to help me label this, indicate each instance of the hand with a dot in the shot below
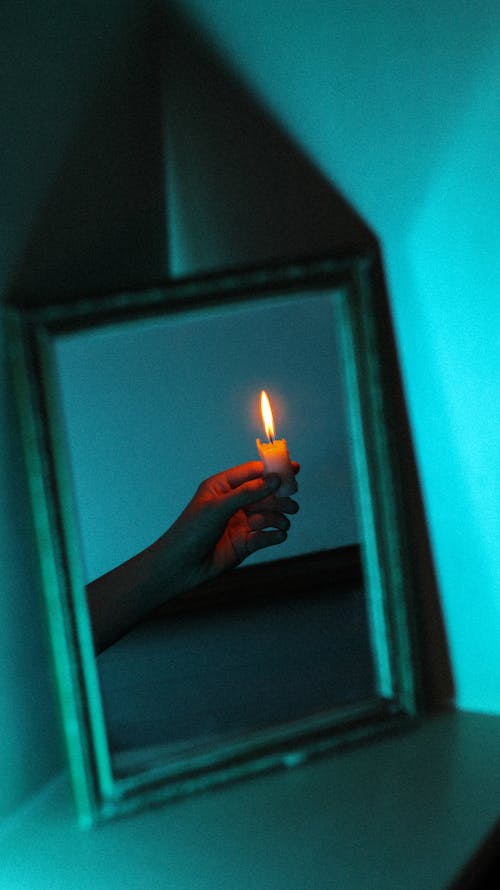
(231, 516)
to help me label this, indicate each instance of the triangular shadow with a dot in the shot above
(168, 115)
(240, 191)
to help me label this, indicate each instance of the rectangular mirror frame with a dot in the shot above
(390, 589)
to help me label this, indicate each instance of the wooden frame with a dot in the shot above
(369, 368)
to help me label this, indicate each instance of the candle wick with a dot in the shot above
(271, 439)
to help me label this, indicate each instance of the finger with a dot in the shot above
(252, 469)
(286, 505)
(259, 539)
(259, 521)
(248, 493)
(237, 476)
(273, 504)
(290, 484)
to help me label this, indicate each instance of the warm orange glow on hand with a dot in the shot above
(267, 415)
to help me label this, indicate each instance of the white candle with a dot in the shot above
(274, 454)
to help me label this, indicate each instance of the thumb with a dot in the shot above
(249, 493)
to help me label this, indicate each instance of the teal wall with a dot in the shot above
(394, 104)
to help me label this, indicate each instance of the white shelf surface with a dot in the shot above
(406, 811)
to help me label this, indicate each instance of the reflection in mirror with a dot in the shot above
(179, 669)
(150, 410)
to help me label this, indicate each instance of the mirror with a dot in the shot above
(128, 402)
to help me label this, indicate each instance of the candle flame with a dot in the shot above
(267, 415)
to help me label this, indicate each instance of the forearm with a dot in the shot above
(121, 598)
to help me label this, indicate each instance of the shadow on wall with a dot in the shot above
(168, 117)
(102, 227)
(239, 190)
(178, 170)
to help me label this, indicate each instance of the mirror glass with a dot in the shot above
(150, 409)
(127, 403)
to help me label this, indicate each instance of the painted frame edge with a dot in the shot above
(47, 527)
(373, 337)
(97, 794)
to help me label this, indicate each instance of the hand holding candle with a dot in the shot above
(232, 515)
(274, 454)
